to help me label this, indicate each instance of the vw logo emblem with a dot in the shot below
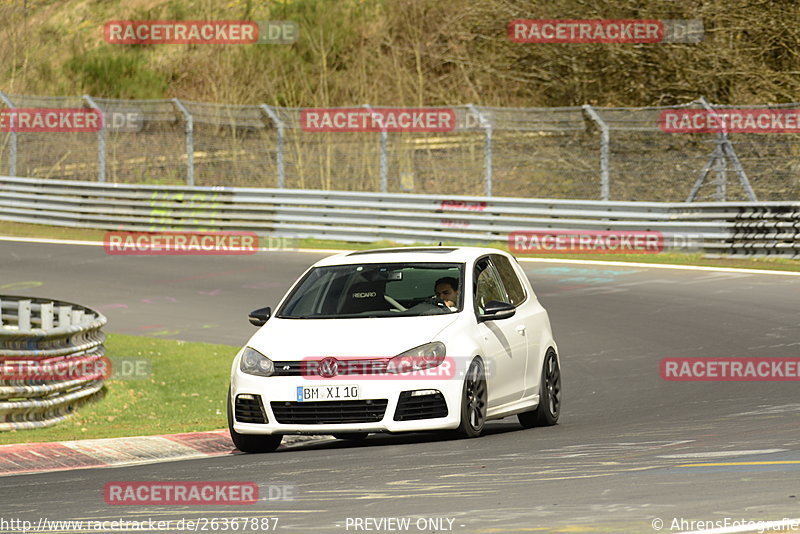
(328, 367)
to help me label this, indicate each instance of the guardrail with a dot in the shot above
(755, 228)
(51, 360)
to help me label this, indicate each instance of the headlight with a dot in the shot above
(255, 363)
(422, 357)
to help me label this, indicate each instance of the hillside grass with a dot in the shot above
(405, 52)
(409, 53)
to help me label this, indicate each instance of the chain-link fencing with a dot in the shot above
(575, 153)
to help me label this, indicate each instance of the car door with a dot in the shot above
(531, 316)
(503, 341)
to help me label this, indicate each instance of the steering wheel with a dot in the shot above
(396, 306)
(436, 301)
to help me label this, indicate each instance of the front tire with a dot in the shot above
(253, 443)
(473, 401)
(546, 414)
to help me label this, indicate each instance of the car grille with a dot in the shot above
(329, 412)
(346, 367)
(420, 407)
(287, 368)
(249, 410)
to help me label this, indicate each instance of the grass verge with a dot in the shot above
(708, 260)
(185, 392)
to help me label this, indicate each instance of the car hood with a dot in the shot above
(296, 339)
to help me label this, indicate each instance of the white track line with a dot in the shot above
(51, 241)
(46, 241)
(531, 260)
(662, 266)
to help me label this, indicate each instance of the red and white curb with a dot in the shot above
(30, 458)
(59, 456)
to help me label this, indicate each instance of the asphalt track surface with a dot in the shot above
(630, 449)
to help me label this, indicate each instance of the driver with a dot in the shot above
(447, 289)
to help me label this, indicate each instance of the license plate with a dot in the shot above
(326, 393)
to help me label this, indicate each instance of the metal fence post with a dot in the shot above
(487, 148)
(726, 151)
(279, 125)
(101, 140)
(605, 140)
(722, 178)
(12, 141)
(716, 154)
(24, 315)
(384, 156)
(189, 130)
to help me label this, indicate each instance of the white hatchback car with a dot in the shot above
(397, 340)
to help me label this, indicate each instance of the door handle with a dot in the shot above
(521, 329)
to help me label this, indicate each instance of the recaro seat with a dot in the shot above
(366, 297)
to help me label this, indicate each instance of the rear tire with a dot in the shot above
(474, 397)
(546, 414)
(352, 436)
(252, 443)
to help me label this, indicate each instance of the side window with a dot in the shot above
(514, 288)
(487, 285)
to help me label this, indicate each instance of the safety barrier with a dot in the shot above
(51, 360)
(753, 228)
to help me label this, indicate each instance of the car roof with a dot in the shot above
(410, 254)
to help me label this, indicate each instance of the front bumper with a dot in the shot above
(284, 389)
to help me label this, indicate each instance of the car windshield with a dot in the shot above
(376, 290)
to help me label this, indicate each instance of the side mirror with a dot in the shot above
(260, 316)
(496, 310)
